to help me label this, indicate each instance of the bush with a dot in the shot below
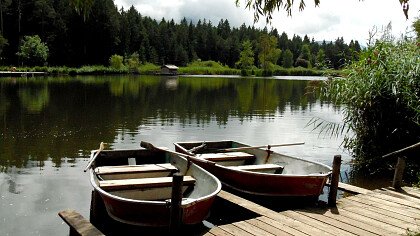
(133, 62)
(32, 51)
(116, 62)
(381, 95)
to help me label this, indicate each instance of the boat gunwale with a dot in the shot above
(151, 202)
(262, 173)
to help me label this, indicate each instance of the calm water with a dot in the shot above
(49, 125)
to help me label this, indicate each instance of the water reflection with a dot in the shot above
(54, 118)
(49, 125)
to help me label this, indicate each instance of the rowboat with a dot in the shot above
(136, 185)
(258, 171)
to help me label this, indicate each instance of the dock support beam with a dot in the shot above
(398, 174)
(176, 200)
(332, 196)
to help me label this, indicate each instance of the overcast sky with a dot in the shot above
(351, 19)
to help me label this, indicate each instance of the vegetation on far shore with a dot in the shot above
(194, 68)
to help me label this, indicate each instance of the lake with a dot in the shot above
(49, 125)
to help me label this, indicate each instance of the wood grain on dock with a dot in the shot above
(379, 212)
(382, 211)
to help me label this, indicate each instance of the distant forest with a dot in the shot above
(89, 32)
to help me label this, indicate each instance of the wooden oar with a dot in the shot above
(101, 147)
(255, 147)
(151, 147)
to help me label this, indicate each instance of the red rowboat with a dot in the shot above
(257, 171)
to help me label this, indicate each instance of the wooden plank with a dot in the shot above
(299, 225)
(261, 167)
(384, 212)
(270, 214)
(412, 191)
(219, 232)
(393, 207)
(344, 226)
(78, 224)
(246, 203)
(396, 200)
(395, 193)
(232, 229)
(281, 226)
(228, 156)
(127, 184)
(252, 229)
(357, 220)
(375, 215)
(368, 198)
(351, 188)
(316, 223)
(166, 167)
(262, 225)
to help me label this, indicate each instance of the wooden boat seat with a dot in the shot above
(261, 167)
(131, 169)
(227, 156)
(129, 184)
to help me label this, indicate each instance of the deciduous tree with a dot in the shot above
(32, 51)
(246, 58)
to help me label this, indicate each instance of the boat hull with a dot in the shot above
(156, 213)
(302, 183)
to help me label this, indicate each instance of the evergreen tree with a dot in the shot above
(287, 60)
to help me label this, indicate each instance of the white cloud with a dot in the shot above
(351, 19)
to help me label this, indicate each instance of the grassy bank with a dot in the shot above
(194, 68)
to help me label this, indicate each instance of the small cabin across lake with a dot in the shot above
(169, 70)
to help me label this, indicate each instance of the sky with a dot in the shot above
(350, 19)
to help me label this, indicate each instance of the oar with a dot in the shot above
(255, 147)
(101, 147)
(151, 147)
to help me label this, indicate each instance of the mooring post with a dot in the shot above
(176, 200)
(332, 196)
(398, 174)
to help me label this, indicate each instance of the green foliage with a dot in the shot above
(71, 30)
(300, 62)
(320, 59)
(287, 60)
(3, 44)
(246, 58)
(416, 26)
(133, 62)
(208, 68)
(82, 7)
(267, 8)
(268, 52)
(149, 68)
(116, 62)
(32, 51)
(381, 95)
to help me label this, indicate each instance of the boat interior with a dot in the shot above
(126, 176)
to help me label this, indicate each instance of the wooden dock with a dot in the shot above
(379, 212)
(21, 73)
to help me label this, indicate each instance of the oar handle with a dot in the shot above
(89, 164)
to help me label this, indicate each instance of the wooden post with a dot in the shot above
(176, 200)
(398, 174)
(332, 196)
